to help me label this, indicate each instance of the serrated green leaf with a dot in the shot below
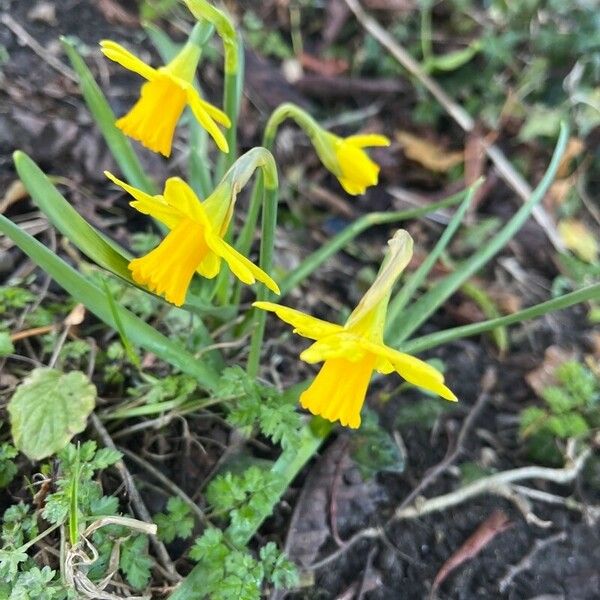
(135, 562)
(8, 469)
(373, 450)
(177, 521)
(48, 409)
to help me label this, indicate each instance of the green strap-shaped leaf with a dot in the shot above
(105, 118)
(68, 221)
(137, 330)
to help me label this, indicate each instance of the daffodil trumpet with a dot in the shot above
(197, 230)
(351, 352)
(344, 157)
(164, 96)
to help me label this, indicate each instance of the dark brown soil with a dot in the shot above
(42, 114)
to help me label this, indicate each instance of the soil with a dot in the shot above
(42, 113)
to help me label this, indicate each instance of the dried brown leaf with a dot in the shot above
(428, 153)
(542, 377)
(496, 523)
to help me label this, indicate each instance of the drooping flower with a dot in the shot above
(347, 160)
(351, 352)
(194, 243)
(168, 90)
(344, 157)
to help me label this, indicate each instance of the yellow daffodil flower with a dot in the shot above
(344, 157)
(163, 97)
(351, 352)
(347, 160)
(194, 243)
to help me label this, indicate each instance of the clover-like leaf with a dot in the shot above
(48, 409)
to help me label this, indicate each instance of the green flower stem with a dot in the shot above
(232, 98)
(433, 340)
(280, 114)
(421, 310)
(200, 177)
(267, 244)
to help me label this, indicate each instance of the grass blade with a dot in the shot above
(591, 292)
(102, 113)
(419, 312)
(137, 330)
(416, 279)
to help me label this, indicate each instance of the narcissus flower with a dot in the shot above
(347, 160)
(163, 97)
(351, 352)
(194, 243)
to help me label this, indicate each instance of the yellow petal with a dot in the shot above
(412, 369)
(202, 114)
(304, 325)
(210, 265)
(339, 389)
(368, 318)
(351, 187)
(126, 59)
(155, 206)
(240, 266)
(153, 118)
(182, 198)
(357, 170)
(168, 269)
(367, 139)
(338, 345)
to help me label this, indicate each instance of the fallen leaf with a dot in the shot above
(578, 238)
(329, 67)
(114, 13)
(76, 316)
(558, 193)
(496, 523)
(543, 377)
(16, 191)
(428, 153)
